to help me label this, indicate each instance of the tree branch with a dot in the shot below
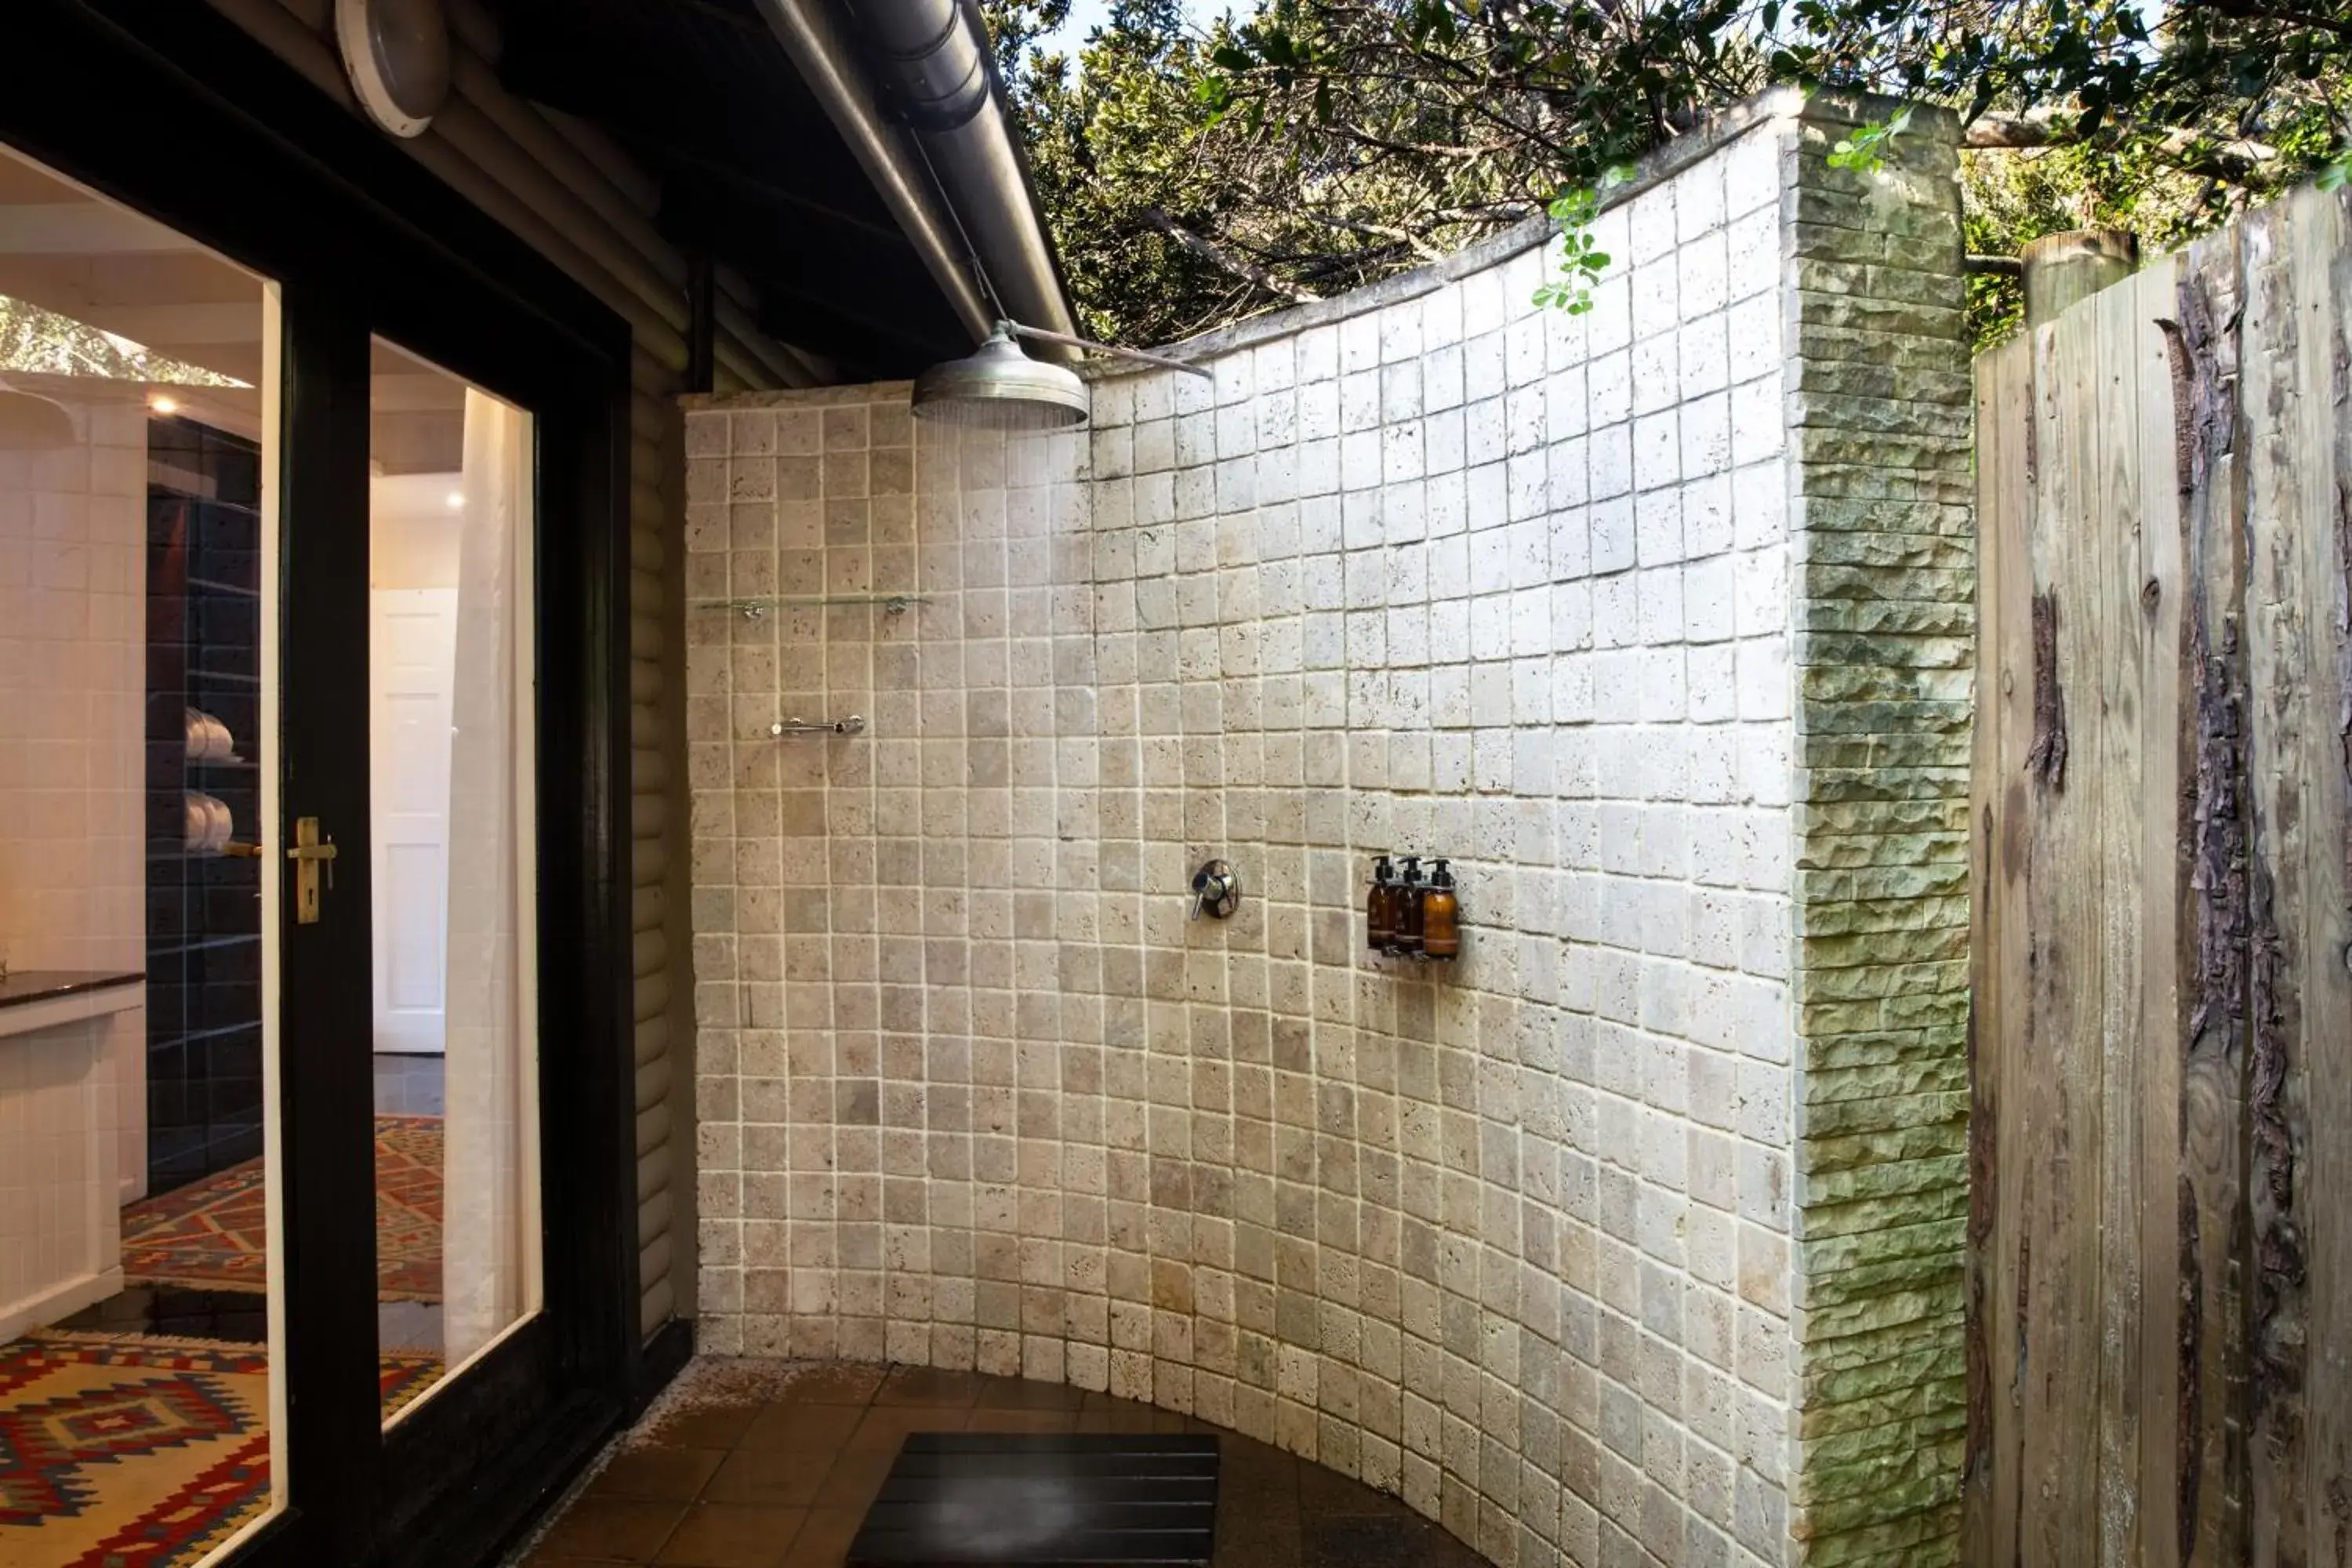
(2001, 132)
(1248, 270)
(2244, 11)
(2239, 160)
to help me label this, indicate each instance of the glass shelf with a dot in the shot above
(754, 608)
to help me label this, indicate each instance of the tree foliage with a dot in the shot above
(1194, 174)
(41, 341)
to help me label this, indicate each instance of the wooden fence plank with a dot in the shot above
(2160, 1268)
(2299, 665)
(2004, 732)
(2278, 399)
(2162, 863)
(2064, 915)
(2111, 741)
(2209, 1321)
(2326, 956)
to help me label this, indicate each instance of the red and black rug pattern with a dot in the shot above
(135, 1452)
(215, 1233)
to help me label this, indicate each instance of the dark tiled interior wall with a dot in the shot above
(204, 911)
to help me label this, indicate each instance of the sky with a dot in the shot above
(1085, 15)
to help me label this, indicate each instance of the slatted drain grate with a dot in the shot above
(1102, 1499)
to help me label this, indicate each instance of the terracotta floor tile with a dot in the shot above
(1271, 1551)
(669, 1475)
(717, 1428)
(987, 1420)
(818, 1427)
(825, 1540)
(1322, 1491)
(835, 1384)
(787, 1485)
(778, 1478)
(1129, 1418)
(927, 1385)
(621, 1529)
(729, 1535)
(1368, 1541)
(1257, 1464)
(886, 1426)
(856, 1477)
(1019, 1394)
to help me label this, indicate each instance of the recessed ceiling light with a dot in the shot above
(456, 500)
(163, 404)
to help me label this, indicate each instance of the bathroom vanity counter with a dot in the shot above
(61, 1032)
(34, 999)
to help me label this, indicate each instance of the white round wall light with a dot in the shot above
(396, 53)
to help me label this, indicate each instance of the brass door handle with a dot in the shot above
(309, 852)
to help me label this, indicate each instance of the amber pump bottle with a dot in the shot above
(1380, 907)
(1407, 938)
(1440, 930)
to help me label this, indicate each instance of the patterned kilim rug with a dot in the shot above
(120, 1451)
(212, 1235)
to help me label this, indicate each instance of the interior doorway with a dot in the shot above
(413, 632)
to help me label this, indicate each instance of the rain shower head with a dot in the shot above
(998, 387)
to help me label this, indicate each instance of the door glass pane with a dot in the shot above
(140, 1419)
(451, 798)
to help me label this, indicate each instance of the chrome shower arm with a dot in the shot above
(1163, 361)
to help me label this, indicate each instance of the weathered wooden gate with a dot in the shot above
(2160, 1266)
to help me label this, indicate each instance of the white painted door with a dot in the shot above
(412, 671)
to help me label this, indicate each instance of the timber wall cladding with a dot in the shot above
(2160, 1263)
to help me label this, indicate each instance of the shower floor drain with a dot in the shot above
(1099, 1498)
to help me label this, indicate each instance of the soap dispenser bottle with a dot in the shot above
(1380, 907)
(1441, 930)
(1407, 938)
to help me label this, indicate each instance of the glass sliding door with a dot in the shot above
(142, 1409)
(314, 818)
(452, 791)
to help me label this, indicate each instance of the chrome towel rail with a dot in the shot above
(853, 725)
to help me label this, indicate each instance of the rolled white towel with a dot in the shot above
(208, 738)
(198, 821)
(223, 824)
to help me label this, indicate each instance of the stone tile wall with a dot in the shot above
(1880, 418)
(1426, 570)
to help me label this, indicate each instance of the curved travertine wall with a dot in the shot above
(1428, 570)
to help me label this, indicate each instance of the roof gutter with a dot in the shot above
(933, 69)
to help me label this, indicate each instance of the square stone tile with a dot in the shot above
(732, 1536)
(617, 1529)
(669, 1475)
(777, 1477)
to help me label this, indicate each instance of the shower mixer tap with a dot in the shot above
(1216, 891)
